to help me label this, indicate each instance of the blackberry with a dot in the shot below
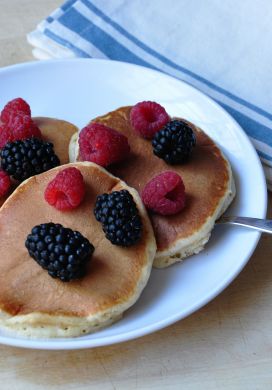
(61, 251)
(24, 158)
(174, 142)
(119, 216)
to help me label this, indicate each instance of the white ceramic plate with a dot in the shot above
(77, 90)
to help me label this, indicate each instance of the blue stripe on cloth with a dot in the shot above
(65, 6)
(170, 63)
(76, 22)
(114, 50)
(49, 19)
(264, 155)
(253, 128)
(66, 43)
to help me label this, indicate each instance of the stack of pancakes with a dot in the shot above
(34, 304)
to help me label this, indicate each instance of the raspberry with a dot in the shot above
(102, 145)
(164, 194)
(5, 136)
(23, 127)
(5, 183)
(147, 118)
(24, 133)
(19, 127)
(66, 191)
(15, 106)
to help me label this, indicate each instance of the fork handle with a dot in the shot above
(262, 225)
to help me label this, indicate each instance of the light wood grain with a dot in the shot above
(225, 345)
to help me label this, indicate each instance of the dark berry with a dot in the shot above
(52, 256)
(175, 142)
(102, 145)
(119, 216)
(22, 159)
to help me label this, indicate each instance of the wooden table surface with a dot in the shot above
(225, 345)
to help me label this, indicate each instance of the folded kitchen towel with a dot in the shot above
(221, 48)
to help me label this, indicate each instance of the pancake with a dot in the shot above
(208, 182)
(58, 132)
(34, 304)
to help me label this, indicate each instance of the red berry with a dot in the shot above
(5, 136)
(15, 106)
(147, 118)
(102, 145)
(23, 127)
(165, 194)
(19, 127)
(66, 191)
(18, 119)
(5, 183)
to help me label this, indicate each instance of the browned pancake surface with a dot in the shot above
(205, 176)
(25, 287)
(58, 132)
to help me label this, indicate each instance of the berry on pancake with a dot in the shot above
(5, 183)
(17, 105)
(22, 159)
(102, 145)
(5, 135)
(147, 118)
(175, 142)
(119, 216)
(17, 123)
(164, 194)
(61, 251)
(66, 191)
(23, 127)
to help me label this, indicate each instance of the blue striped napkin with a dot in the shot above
(221, 48)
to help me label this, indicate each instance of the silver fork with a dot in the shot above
(262, 225)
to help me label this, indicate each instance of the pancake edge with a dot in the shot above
(73, 148)
(195, 243)
(44, 325)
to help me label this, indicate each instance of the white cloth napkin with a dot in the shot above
(221, 47)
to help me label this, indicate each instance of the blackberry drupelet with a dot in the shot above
(63, 252)
(174, 142)
(23, 159)
(119, 216)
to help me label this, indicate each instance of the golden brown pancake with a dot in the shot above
(208, 182)
(58, 132)
(34, 303)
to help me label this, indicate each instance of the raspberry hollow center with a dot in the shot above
(165, 194)
(61, 196)
(150, 116)
(174, 193)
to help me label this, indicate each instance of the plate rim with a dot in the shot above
(77, 342)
